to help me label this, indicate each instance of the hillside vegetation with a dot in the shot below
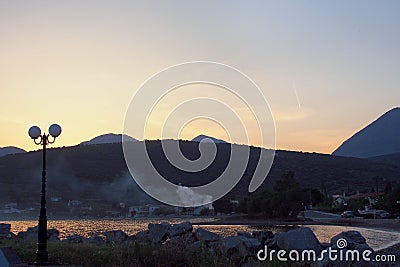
(99, 172)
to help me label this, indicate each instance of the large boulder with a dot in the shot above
(53, 234)
(298, 239)
(352, 239)
(5, 230)
(205, 236)
(362, 247)
(158, 233)
(238, 248)
(263, 236)
(344, 242)
(244, 233)
(75, 238)
(232, 247)
(142, 236)
(115, 236)
(95, 239)
(180, 229)
(31, 234)
(176, 240)
(252, 245)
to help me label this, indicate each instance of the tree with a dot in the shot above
(260, 202)
(388, 187)
(314, 196)
(242, 207)
(286, 182)
(391, 201)
(288, 198)
(223, 205)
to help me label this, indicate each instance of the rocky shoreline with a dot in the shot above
(242, 248)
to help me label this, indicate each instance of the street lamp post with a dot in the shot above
(42, 256)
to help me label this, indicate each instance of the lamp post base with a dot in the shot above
(42, 258)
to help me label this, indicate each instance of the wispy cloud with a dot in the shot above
(292, 113)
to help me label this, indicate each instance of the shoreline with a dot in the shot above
(387, 225)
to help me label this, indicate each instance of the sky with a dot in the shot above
(326, 68)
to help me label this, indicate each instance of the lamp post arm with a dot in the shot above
(48, 140)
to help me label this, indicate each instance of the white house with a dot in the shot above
(338, 199)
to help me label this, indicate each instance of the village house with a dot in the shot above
(143, 210)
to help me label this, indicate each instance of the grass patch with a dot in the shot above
(125, 254)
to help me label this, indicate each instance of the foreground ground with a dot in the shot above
(137, 254)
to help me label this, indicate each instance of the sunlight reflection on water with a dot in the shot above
(375, 238)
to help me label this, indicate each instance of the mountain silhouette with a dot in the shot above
(9, 150)
(108, 139)
(381, 137)
(206, 138)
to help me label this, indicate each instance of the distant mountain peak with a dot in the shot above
(206, 138)
(9, 150)
(381, 137)
(109, 138)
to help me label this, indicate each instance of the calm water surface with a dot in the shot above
(375, 238)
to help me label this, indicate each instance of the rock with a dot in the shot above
(75, 238)
(251, 244)
(244, 233)
(363, 247)
(5, 230)
(175, 240)
(352, 239)
(142, 236)
(298, 239)
(232, 246)
(362, 263)
(96, 239)
(238, 248)
(273, 242)
(53, 234)
(158, 232)
(325, 245)
(205, 236)
(180, 229)
(33, 229)
(116, 236)
(31, 234)
(263, 236)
